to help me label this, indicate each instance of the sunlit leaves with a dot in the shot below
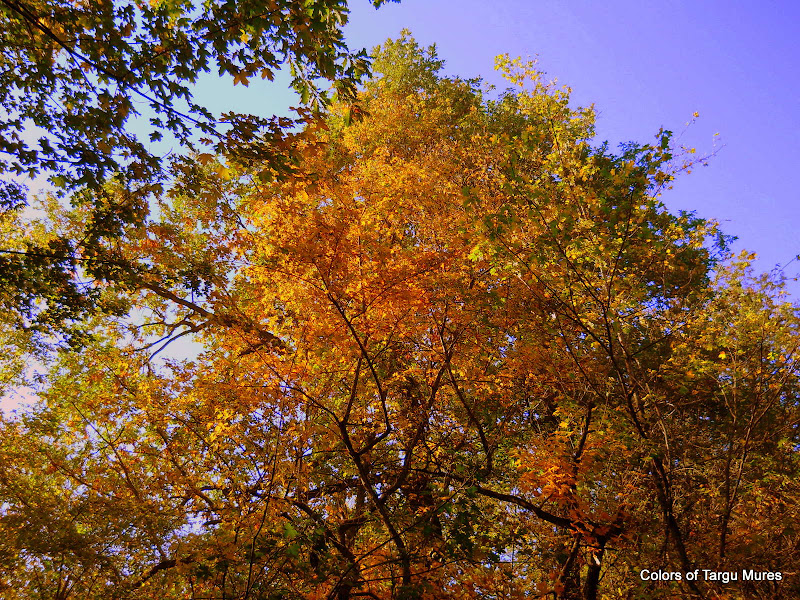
(86, 88)
(457, 351)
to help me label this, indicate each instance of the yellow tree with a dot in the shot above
(459, 353)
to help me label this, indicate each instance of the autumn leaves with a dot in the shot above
(459, 352)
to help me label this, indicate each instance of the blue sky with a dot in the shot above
(647, 65)
(644, 65)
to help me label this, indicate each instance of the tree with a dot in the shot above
(80, 72)
(460, 353)
(73, 78)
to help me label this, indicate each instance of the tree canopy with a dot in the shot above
(88, 89)
(459, 352)
(80, 71)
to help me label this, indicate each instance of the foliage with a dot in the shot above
(79, 79)
(80, 71)
(460, 353)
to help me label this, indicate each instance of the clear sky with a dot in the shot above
(646, 65)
